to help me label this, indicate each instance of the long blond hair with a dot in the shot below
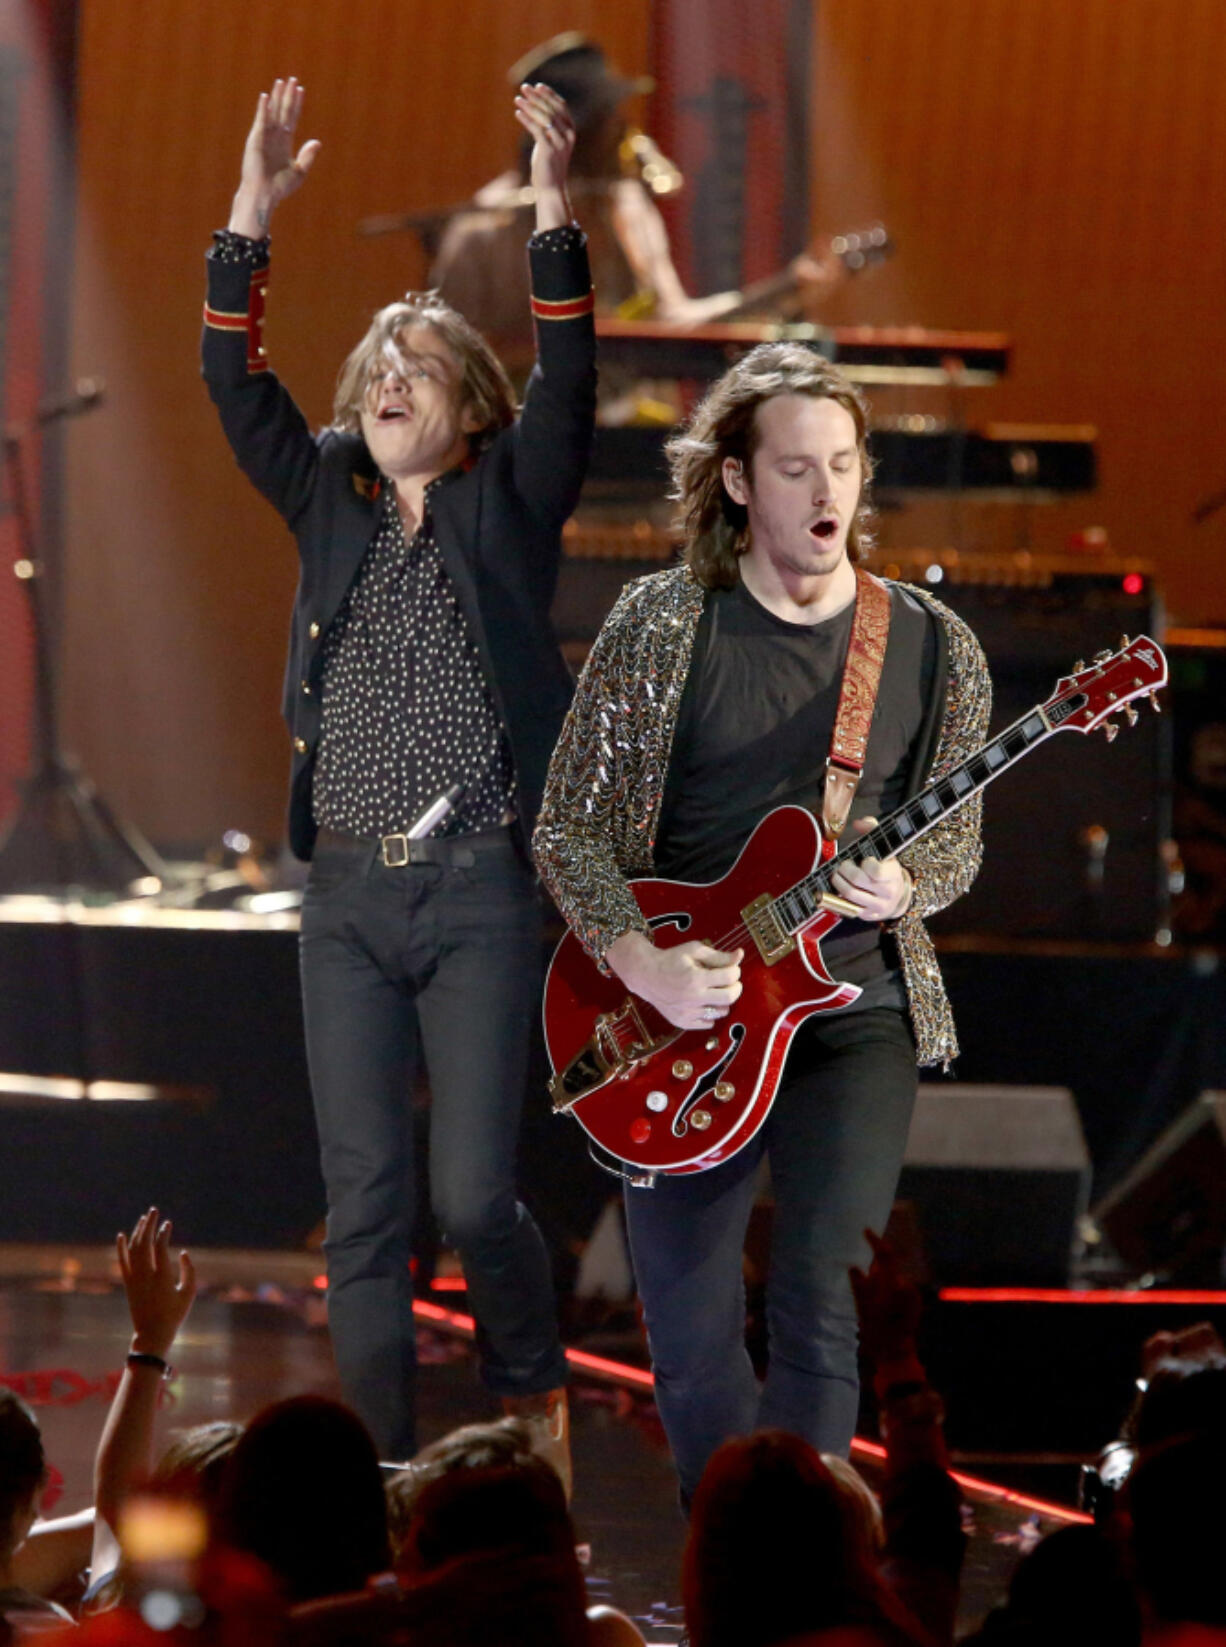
(485, 388)
(724, 425)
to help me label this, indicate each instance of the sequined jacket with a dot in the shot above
(605, 786)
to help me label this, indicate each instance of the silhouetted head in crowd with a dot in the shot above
(517, 1507)
(504, 1441)
(1071, 1589)
(23, 1473)
(860, 1499)
(776, 1549)
(498, 1542)
(193, 1465)
(303, 1491)
(1176, 1498)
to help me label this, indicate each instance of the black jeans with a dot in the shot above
(439, 961)
(835, 1138)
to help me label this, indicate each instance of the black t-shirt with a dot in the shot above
(753, 733)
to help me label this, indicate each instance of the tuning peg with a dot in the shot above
(1101, 657)
(1112, 731)
(1125, 643)
(1079, 666)
(1153, 701)
(1131, 714)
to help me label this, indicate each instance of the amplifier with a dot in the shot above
(997, 1177)
(1074, 838)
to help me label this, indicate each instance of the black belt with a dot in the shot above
(398, 851)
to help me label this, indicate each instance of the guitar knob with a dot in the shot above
(1111, 730)
(640, 1131)
(700, 1120)
(724, 1090)
(1131, 714)
(683, 1069)
(657, 1101)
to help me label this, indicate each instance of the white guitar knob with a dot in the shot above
(657, 1101)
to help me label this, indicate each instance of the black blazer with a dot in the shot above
(498, 526)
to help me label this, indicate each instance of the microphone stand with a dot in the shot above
(64, 834)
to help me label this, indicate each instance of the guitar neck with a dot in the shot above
(917, 816)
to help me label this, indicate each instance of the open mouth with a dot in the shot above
(390, 414)
(824, 529)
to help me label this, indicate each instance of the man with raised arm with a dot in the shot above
(424, 692)
(715, 693)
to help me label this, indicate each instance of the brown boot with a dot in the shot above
(547, 1416)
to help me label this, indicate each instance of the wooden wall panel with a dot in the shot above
(180, 577)
(1056, 168)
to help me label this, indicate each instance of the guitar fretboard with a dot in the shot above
(797, 906)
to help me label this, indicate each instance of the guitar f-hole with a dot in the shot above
(705, 1086)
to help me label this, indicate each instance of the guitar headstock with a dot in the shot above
(1086, 699)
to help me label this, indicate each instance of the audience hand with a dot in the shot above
(160, 1292)
(888, 1303)
(1196, 1343)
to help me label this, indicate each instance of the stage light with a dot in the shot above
(1133, 583)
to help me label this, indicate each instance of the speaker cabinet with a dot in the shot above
(1072, 838)
(996, 1178)
(1168, 1216)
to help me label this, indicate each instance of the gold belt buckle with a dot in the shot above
(395, 851)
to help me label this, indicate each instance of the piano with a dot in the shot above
(1005, 462)
(903, 355)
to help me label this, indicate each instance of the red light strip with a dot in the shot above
(435, 1313)
(988, 1489)
(1061, 1295)
(621, 1372)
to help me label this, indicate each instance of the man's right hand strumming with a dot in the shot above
(691, 984)
(271, 169)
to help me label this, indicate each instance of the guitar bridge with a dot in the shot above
(620, 1042)
(766, 930)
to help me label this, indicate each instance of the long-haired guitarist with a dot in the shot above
(716, 692)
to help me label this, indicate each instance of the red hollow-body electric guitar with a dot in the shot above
(657, 1099)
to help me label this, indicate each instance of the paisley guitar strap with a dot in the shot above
(853, 721)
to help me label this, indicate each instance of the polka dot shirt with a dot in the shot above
(406, 708)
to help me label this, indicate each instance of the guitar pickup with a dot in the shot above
(620, 1041)
(766, 930)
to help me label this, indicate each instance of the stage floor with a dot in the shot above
(258, 1332)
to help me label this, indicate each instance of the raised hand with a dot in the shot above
(888, 1304)
(160, 1290)
(271, 170)
(546, 119)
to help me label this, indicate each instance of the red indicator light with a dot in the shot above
(1133, 583)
